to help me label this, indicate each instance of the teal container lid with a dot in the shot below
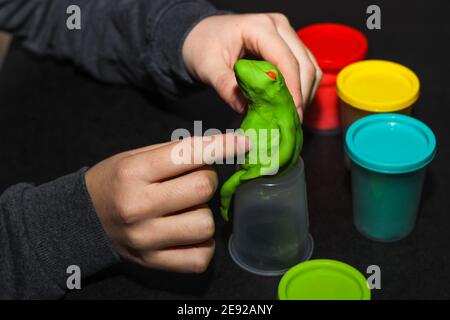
(390, 143)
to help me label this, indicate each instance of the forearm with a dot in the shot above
(120, 41)
(44, 230)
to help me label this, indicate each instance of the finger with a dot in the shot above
(317, 78)
(188, 228)
(128, 153)
(222, 78)
(185, 155)
(190, 259)
(266, 42)
(224, 82)
(307, 68)
(186, 191)
(150, 147)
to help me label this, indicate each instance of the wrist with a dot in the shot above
(167, 36)
(64, 229)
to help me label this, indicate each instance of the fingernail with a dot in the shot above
(243, 143)
(300, 114)
(239, 106)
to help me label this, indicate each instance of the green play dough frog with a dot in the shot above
(270, 106)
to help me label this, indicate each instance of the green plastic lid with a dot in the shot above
(390, 143)
(323, 279)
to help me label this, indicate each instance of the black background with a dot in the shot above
(55, 119)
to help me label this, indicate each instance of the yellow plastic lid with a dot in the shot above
(378, 86)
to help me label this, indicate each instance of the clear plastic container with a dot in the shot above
(271, 224)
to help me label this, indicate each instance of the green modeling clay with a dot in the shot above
(270, 106)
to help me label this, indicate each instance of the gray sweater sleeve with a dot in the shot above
(46, 229)
(120, 41)
(43, 231)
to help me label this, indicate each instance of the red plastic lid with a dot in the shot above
(334, 45)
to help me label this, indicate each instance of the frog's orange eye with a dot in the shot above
(272, 74)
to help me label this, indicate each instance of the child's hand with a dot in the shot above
(155, 211)
(213, 46)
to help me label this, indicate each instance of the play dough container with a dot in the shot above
(375, 86)
(334, 46)
(323, 279)
(389, 154)
(270, 223)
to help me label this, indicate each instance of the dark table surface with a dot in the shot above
(55, 119)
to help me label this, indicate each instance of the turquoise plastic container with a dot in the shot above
(389, 154)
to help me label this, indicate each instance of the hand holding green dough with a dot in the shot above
(270, 106)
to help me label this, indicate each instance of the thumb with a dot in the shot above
(224, 82)
(173, 159)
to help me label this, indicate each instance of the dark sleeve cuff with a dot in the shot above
(63, 228)
(166, 35)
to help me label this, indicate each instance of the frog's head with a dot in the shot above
(259, 81)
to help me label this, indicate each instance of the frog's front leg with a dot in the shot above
(252, 173)
(227, 191)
